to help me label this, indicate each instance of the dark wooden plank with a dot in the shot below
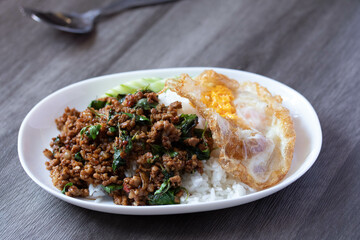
(337, 212)
(313, 46)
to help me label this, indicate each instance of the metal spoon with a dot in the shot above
(85, 22)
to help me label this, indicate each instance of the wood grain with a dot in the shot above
(312, 46)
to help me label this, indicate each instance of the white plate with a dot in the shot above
(38, 128)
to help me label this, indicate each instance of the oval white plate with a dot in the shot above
(38, 128)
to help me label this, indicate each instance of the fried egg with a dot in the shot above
(252, 129)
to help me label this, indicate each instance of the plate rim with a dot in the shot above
(180, 208)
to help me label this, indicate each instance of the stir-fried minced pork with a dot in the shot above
(98, 145)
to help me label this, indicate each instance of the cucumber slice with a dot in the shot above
(157, 86)
(153, 84)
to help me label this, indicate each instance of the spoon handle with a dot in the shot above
(121, 5)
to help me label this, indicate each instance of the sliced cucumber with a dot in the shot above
(157, 86)
(153, 84)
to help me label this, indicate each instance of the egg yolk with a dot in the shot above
(220, 99)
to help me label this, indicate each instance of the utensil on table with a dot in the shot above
(85, 22)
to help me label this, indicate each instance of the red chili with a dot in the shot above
(126, 189)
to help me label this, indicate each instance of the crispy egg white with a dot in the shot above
(253, 130)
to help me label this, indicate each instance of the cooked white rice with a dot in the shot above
(214, 184)
(96, 192)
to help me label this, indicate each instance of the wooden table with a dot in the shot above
(312, 46)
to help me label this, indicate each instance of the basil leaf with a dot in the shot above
(160, 150)
(201, 155)
(97, 104)
(142, 119)
(198, 132)
(129, 146)
(69, 184)
(188, 122)
(144, 104)
(79, 158)
(138, 118)
(82, 131)
(203, 134)
(111, 188)
(173, 154)
(123, 135)
(157, 149)
(204, 155)
(117, 160)
(163, 195)
(163, 188)
(96, 113)
(128, 139)
(111, 114)
(112, 129)
(167, 175)
(121, 97)
(93, 131)
(153, 159)
(129, 114)
(163, 199)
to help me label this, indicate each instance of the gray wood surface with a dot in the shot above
(312, 46)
